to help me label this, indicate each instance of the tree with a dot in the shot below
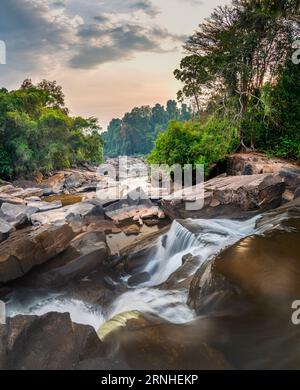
(37, 134)
(136, 133)
(194, 76)
(239, 47)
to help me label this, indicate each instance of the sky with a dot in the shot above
(108, 55)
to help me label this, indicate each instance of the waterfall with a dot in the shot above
(205, 239)
(202, 238)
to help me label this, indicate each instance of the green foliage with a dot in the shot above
(238, 71)
(191, 143)
(136, 132)
(37, 134)
(232, 56)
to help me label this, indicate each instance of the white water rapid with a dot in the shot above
(202, 238)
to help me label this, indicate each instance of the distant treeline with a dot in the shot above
(38, 135)
(136, 133)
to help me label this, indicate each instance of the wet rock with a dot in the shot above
(27, 248)
(265, 267)
(183, 276)
(50, 342)
(147, 342)
(238, 197)
(248, 291)
(138, 279)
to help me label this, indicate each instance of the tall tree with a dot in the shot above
(240, 47)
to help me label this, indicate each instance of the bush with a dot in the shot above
(191, 143)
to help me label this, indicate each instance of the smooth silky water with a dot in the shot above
(211, 238)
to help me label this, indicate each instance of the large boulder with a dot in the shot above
(146, 342)
(86, 253)
(30, 247)
(75, 212)
(232, 196)
(248, 290)
(55, 182)
(256, 163)
(50, 342)
(17, 215)
(5, 229)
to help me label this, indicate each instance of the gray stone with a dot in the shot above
(138, 279)
(76, 212)
(50, 342)
(5, 229)
(236, 197)
(17, 215)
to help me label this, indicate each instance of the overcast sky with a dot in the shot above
(109, 55)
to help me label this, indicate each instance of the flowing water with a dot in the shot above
(201, 238)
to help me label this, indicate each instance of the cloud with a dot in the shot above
(145, 6)
(58, 4)
(90, 33)
(32, 32)
(118, 42)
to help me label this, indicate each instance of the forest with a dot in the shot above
(137, 131)
(242, 74)
(37, 134)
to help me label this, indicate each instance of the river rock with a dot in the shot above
(17, 215)
(45, 206)
(297, 193)
(232, 196)
(146, 342)
(248, 291)
(256, 163)
(5, 229)
(136, 199)
(265, 267)
(55, 182)
(25, 193)
(138, 279)
(132, 230)
(50, 342)
(7, 198)
(74, 212)
(86, 252)
(27, 248)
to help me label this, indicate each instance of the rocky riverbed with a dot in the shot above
(144, 283)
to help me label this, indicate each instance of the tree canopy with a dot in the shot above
(136, 132)
(37, 134)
